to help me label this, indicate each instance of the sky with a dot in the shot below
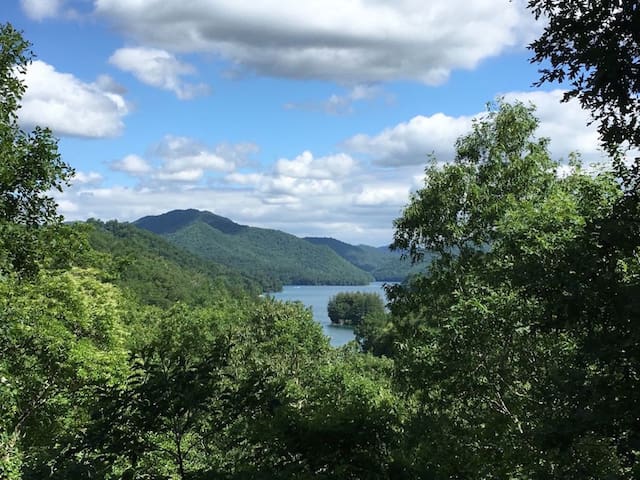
(315, 117)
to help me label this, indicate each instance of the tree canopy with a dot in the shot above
(595, 47)
(519, 345)
(30, 168)
(350, 308)
(515, 354)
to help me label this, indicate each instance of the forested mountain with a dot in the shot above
(258, 252)
(175, 220)
(385, 265)
(158, 272)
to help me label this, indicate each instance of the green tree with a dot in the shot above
(375, 334)
(62, 336)
(164, 419)
(520, 337)
(30, 167)
(595, 47)
(350, 308)
(305, 410)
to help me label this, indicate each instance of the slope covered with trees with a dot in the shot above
(279, 256)
(382, 263)
(159, 273)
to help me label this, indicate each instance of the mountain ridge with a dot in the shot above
(271, 253)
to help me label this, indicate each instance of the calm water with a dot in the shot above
(317, 297)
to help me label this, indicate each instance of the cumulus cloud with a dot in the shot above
(330, 195)
(306, 166)
(86, 178)
(70, 106)
(185, 160)
(333, 214)
(41, 9)
(347, 41)
(383, 195)
(132, 164)
(409, 143)
(303, 177)
(160, 69)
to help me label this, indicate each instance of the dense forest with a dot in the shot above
(385, 265)
(515, 355)
(274, 257)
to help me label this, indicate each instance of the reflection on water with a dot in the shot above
(317, 297)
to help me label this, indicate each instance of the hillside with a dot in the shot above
(175, 220)
(382, 263)
(158, 272)
(258, 252)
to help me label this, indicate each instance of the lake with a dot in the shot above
(317, 297)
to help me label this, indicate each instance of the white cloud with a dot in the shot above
(184, 175)
(132, 164)
(409, 143)
(41, 9)
(349, 41)
(383, 195)
(303, 212)
(160, 69)
(87, 178)
(70, 106)
(185, 160)
(296, 180)
(330, 195)
(306, 166)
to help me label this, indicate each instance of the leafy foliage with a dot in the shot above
(30, 167)
(62, 337)
(595, 46)
(514, 356)
(350, 308)
(518, 348)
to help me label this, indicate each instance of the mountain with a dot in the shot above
(175, 220)
(382, 263)
(158, 272)
(260, 253)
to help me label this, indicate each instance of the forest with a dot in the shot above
(515, 355)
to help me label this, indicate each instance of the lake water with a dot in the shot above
(317, 297)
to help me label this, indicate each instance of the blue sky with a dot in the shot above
(314, 117)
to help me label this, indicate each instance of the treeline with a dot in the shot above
(514, 357)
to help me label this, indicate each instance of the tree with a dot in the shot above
(62, 336)
(374, 334)
(520, 339)
(595, 46)
(164, 419)
(349, 308)
(30, 167)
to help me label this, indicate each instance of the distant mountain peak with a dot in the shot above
(175, 220)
